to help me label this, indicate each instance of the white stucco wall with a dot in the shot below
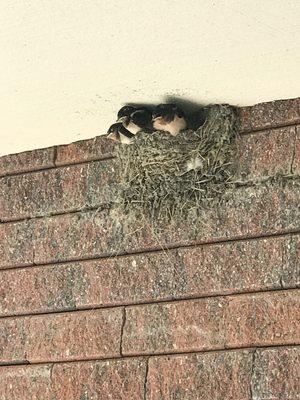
(68, 65)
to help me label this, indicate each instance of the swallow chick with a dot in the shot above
(135, 119)
(169, 118)
(118, 133)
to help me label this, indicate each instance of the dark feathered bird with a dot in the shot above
(118, 133)
(198, 118)
(169, 118)
(135, 119)
(126, 111)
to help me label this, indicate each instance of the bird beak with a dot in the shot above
(156, 117)
(122, 120)
(113, 136)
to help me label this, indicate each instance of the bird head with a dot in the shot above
(124, 114)
(166, 112)
(113, 132)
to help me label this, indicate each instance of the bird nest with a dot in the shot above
(155, 182)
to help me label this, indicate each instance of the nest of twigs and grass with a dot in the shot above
(157, 183)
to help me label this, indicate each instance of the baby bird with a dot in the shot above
(135, 119)
(169, 118)
(118, 133)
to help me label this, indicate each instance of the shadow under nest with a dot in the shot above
(155, 184)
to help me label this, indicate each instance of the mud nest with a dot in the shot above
(155, 182)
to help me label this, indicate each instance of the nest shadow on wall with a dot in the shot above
(164, 178)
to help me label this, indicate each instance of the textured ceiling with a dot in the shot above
(67, 66)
